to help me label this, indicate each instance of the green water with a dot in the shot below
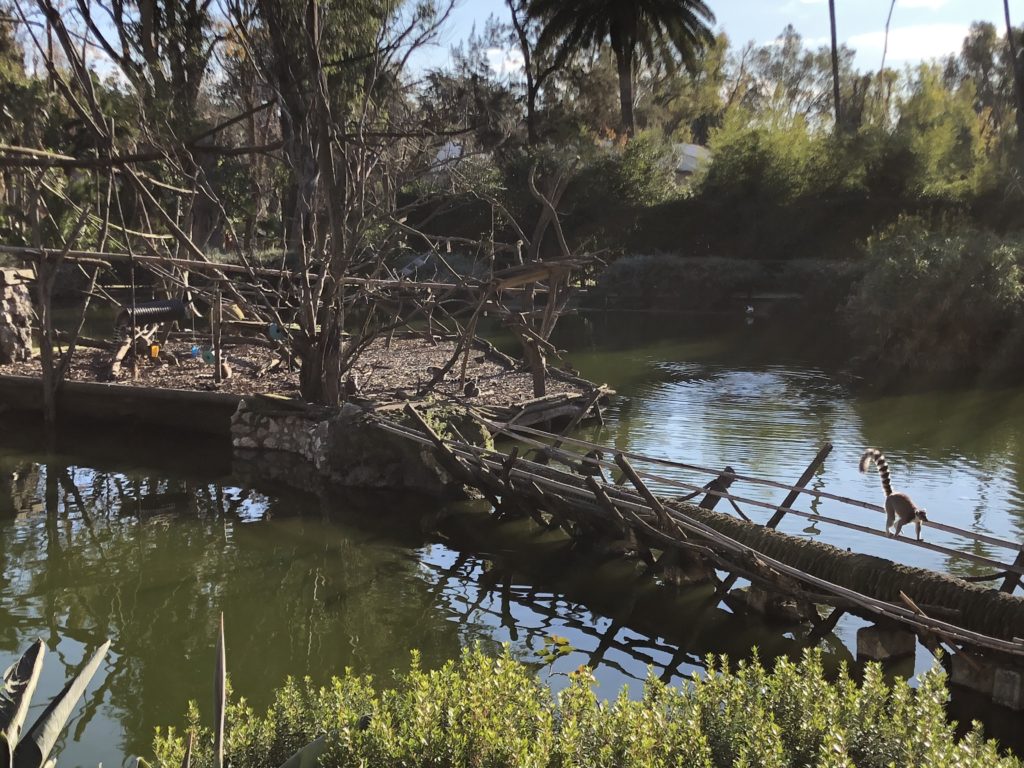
(147, 539)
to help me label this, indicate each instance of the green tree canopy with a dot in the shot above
(654, 28)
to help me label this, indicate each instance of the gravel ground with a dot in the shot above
(383, 374)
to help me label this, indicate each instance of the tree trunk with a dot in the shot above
(624, 62)
(1018, 76)
(538, 365)
(835, 65)
(532, 136)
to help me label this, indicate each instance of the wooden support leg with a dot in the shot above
(824, 626)
(1013, 579)
(805, 478)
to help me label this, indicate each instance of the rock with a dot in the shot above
(16, 315)
(347, 447)
(882, 643)
(1008, 688)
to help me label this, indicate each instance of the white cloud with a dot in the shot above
(912, 43)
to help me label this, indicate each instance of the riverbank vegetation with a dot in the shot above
(494, 711)
(330, 143)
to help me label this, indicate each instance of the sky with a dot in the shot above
(920, 29)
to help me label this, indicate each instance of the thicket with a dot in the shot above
(486, 711)
(938, 300)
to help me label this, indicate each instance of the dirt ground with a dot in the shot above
(384, 374)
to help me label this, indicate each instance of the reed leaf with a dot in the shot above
(18, 686)
(308, 756)
(34, 749)
(186, 760)
(219, 699)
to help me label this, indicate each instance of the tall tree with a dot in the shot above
(1018, 76)
(653, 28)
(535, 70)
(836, 103)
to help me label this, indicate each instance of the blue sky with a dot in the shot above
(921, 29)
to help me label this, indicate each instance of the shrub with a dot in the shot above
(644, 174)
(941, 300)
(482, 711)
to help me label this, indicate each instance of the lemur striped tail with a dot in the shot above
(875, 455)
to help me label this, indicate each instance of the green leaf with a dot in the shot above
(33, 750)
(19, 684)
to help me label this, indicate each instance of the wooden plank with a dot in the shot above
(805, 478)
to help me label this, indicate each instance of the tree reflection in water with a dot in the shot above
(308, 585)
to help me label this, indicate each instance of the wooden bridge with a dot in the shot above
(546, 477)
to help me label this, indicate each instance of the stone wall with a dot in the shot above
(340, 446)
(16, 315)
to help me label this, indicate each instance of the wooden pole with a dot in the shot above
(217, 318)
(135, 324)
(667, 524)
(1013, 578)
(805, 478)
(591, 401)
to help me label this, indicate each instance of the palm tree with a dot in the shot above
(835, 63)
(650, 27)
(1018, 76)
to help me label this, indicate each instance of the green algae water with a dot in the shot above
(147, 539)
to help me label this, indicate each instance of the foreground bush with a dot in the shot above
(483, 711)
(938, 301)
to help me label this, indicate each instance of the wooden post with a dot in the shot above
(448, 459)
(1012, 578)
(805, 478)
(627, 530)
(667, 524)
(823, 626)
(591, 402)
(135, 322)
(216, 320)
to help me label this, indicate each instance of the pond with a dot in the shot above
(146, 539)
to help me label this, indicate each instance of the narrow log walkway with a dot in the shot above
(692, 542)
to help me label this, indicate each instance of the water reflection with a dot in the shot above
(148, 541)
(756, 399)
(151, 561)
(309, 586)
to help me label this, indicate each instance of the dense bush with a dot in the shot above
(940, 300)
(482, 711)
